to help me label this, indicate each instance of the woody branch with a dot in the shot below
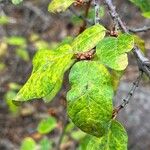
(143, 62)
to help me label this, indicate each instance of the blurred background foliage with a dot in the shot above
(29, 27)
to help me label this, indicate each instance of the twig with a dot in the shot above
(143, 62)
(87, 8)
(129, 95)
(62, 135)
(97, 16)
(143, 29)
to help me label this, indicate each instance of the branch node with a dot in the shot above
(85, 55)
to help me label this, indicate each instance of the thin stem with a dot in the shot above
(127, 99)
(97, 10)
(62, 134)
(142, 29)
(115, 15)
(87, 8)
(143, 62)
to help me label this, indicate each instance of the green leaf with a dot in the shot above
(70, 127)
(16, 41)
(115, 138)
(89, 38)
(49, 67)
(144, 5)
(41, 45)
(66, 40)
(16, 1)
(28, 144)
(146, 14)
(8, 98)
(90, 97)
(23, 54)
(14, 86)
(78, 135)
(116, 77)
(47, 125)
(4, 20)
(84, 142)
(45, 144)
(59, 5)
(112, 51)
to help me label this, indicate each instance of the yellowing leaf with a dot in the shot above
(3, 49)
(88, 39)
(116, 76)
(16, 41)
(49, 67)
(90, 97)
(116, 138)
(4, 20)
(28, 144)
(112, 51)
(146, 14)
(59, 5)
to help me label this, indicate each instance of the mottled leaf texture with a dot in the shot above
(47, 75)
(59, 5)
(144, 5)
(90, 97)
(89, 38)
(112, 51)
(115, 139)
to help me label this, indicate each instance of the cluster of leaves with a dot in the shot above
(90, 98)
(19, 44)
(90, 105)
(45, 126)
